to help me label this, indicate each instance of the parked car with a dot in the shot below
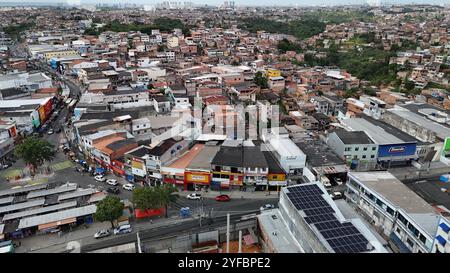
(128, 187)
(123, 229)
(50, 132)
(112, 182)
(338, 181)
(99, 178)
(58, 130)
(223, 198)
(102, 233)
(336, 195)
(5, 166)
(113, 190)
(194, 196)
(266, 207)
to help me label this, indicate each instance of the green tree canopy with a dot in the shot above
(109, 209)
(260, 80)
(35, 151)
(154, 198)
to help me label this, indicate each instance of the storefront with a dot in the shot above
(193, 179)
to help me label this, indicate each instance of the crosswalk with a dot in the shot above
(62, 165)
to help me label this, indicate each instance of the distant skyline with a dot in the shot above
(239, 2)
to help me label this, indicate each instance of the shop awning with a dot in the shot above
(57, 223)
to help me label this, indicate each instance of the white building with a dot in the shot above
(399, 213)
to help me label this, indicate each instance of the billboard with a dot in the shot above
(42, 115)
(397, 150)
(35, 119)
(446, 149)
(138, 167)
(192, 177)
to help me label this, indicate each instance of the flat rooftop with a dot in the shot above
(394, 191)
(183, 161)
(441, 131)
(272, 224)
(204, 158)
(380, 132)
(319, 154)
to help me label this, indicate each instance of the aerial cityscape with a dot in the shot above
(224, 127)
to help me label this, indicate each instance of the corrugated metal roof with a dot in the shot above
(56, 216)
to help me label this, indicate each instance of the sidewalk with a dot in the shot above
(53, 243)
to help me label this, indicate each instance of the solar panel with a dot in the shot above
(320, 218)
(318, 211)
(342, 237)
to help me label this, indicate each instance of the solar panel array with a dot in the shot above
(342, 237)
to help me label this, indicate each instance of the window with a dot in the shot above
(347, 149)
(372, 156)
(422, 238)
(356, 149)
(410, 243)
(374, 148)
(364, 156)
(390, 211)
(234, 169)
(365, 149)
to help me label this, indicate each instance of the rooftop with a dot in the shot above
(353, 137)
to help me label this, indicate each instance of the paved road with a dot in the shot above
(160, 232)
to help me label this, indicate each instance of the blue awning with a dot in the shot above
(441, 240)
(401, 246)
(100, 170)
(444, 227)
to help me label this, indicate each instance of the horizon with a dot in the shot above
(244, 3)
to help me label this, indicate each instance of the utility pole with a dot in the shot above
(139, 242)
(228, 233)
(240, 242)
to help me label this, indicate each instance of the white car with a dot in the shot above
(101, 233)
(338, 181)
(336, 195)
(128, 187)
(112, 182)
(122, 229)
(194, 196)
(99, 178)
(266, 207)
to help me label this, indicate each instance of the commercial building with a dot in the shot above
(307, 220)
(198, 172)
(394, 146)
(420, 120)
(399, 213)
(353, 146)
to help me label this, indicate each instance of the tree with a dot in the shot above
(260, 80)
(109, 209)
(144, 198)
(35, 152)
(166, 196)
(154, 198)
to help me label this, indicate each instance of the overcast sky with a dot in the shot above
(244, 2)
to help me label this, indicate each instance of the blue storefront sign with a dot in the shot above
(397, 150)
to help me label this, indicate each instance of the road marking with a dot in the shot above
(12, 173)
(62, 165)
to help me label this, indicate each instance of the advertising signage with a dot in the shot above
(396, 150)
(446, 149)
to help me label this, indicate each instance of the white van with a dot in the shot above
(122, 229)
(325, 181)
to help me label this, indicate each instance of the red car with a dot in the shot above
(223, 198)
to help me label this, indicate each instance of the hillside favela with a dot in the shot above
(224, 127)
